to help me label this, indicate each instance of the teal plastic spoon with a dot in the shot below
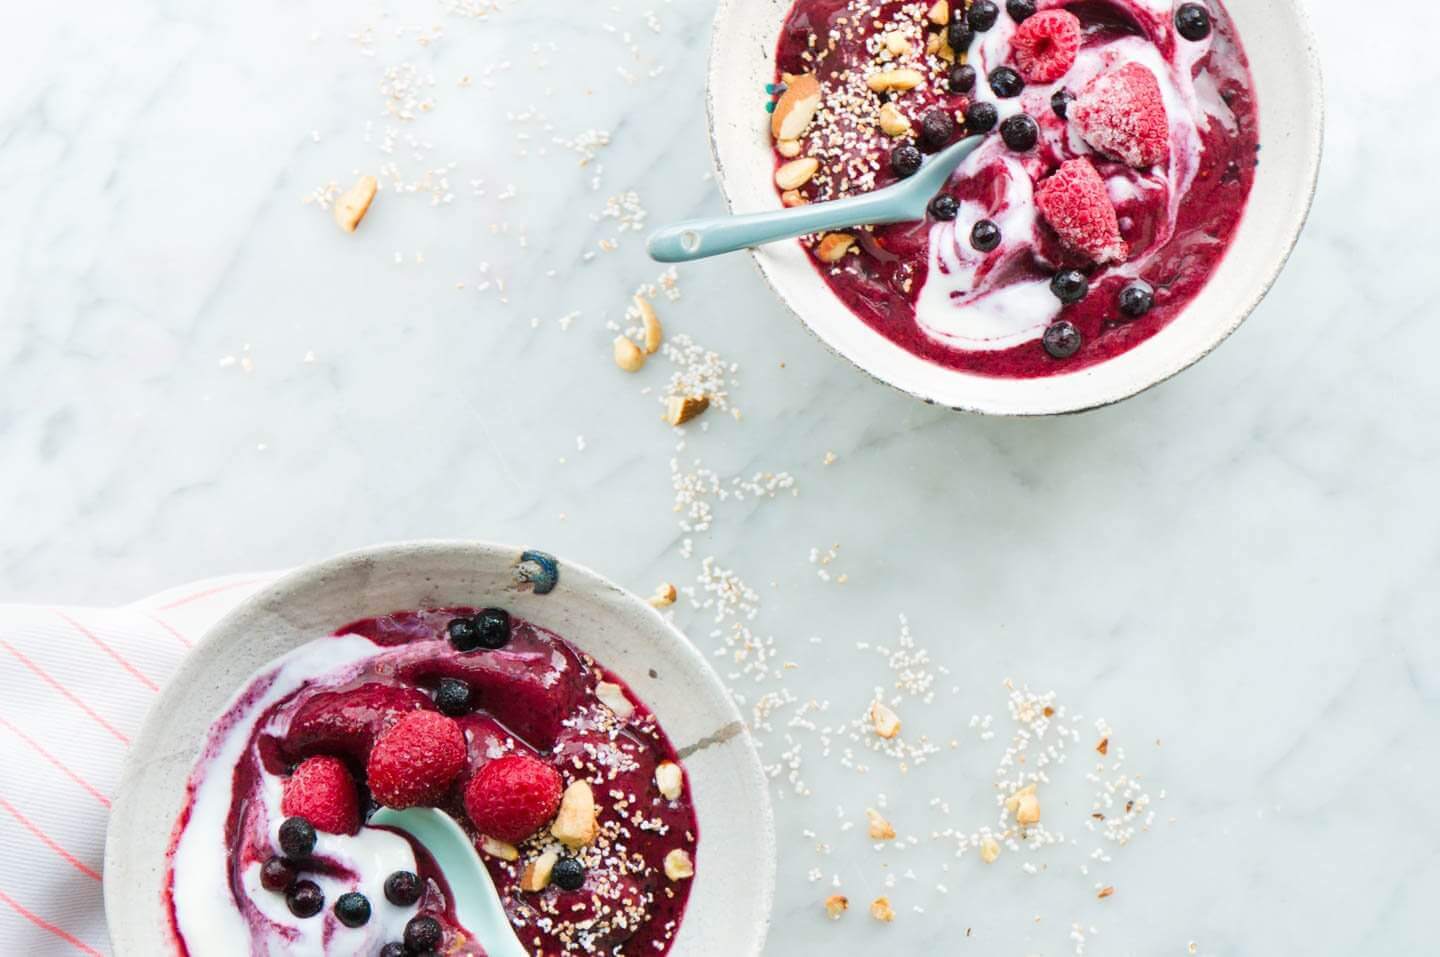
(900, 202)
(477, 905)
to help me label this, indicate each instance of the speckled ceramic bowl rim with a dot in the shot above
(728, 734)
(1299, 213)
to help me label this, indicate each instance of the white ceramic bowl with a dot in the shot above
(1286, 69)
(729, 909)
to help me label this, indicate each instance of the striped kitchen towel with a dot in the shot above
(75, 684)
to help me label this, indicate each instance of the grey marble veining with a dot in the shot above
(1241, 563)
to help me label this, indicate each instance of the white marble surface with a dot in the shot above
(1241, 564)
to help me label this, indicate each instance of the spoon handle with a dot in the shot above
(701, 238)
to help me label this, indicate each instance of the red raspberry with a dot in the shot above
(1074, 202)
(1046, 44)
(322, 791)
(415, 759)
(1122, 114)
(512, 797)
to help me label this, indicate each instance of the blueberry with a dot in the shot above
(1060, 102)
(944, 207)
(297, 838)
(276, 874)
(1020, 10)
(423, 933)
(305, 899)
(959, 35)
(452, 697)
(936, 128)
(392, 950)
(402, 888)
(1136, 299)
(985, 235)
(1061, 339)
(463, 634)
(982, 15)
(962, 78)
(1006, 82)
(1019, 132)
(1069, 285)
(568, 874)
(981, 118)
(353, 909)
(494, 627)
(1193, 21)
(905, 160)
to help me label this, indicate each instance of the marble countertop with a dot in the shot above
(1237, 570)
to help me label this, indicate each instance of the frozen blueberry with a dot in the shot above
(392, 950)
(569, 874)
(1060, 102)
(353, 909)
(1019, 132)
(1069, 285)
(985, 235)
(982, 15)
(1136, 299)
(981, 118)
(276, 874)
(402, 888)
(1061, 339)
(936, 128)
(305, 899)
(297, 838)
(944, 207)
(1193, 21)
(494, 627)
(1020, 10)
(962, 78)
(463, 634)
(1006, 82)
(905, 160)
(452, 697)
(423, 934)
(959, 35)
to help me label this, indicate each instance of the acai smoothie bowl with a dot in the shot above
(1143, 170)
(442, 748)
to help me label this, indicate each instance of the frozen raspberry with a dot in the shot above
(415, 760)
(1046, 44)
(512, 797)
(1074, 202)
(1121, 114)
(322, 791)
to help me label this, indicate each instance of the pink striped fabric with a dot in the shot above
(77, 683)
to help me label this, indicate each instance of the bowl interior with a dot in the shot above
(729, 907)
(1283, 61)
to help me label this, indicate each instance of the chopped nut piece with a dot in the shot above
(880, 829)
(796, 173)
(678, 865)
(892, 121)
(536, 876)
(793, 197)
(834, 246)
(665, 595)
(496, 848)
(796, 107)
(1027, 811)
(680, 409)
(1105, 892)
(1104, 746)
(989, 849)
(896, 42)
(932, 44)
(887, 80)
(354, 203)
(575, 824)
(613, 697)
(669, 779)
(940, 13)
(788, 148)
(654, 332)
(885, 721)
(881, 910)
(1013, 801)
(836, 905)
(628, 355)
